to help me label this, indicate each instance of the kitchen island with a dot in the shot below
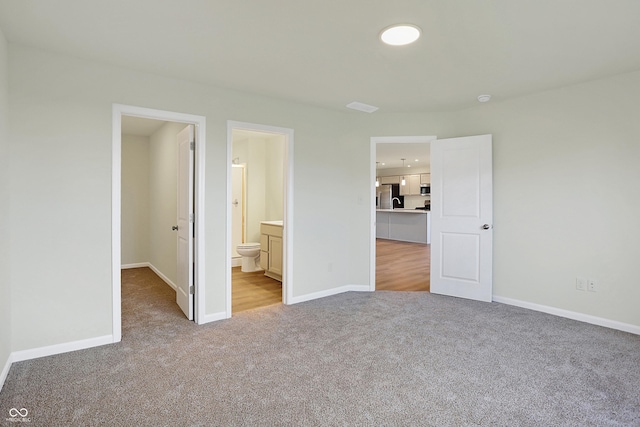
(407, 225)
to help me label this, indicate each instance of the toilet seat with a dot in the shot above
(249, 245)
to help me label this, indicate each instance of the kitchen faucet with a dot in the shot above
(395, 198)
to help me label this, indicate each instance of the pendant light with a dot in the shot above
(403, 182)
(377, 180)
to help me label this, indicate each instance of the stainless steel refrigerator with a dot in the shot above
(385, 195)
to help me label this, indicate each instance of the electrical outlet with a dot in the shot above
(592, 285)
(581, 284)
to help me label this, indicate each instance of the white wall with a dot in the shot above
(567, 199)
(60, 121)
(135, 236)
(163, 199)
(566, 194)
(5, 221)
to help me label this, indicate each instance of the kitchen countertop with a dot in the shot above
(280, 223)
(400, 210)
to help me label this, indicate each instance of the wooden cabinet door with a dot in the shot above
(414, 185)
(395, 179)
(275, 255)
(405, 189)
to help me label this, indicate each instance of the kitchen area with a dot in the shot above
(403, 200)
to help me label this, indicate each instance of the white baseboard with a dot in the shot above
(213, 317)
(163, 277)
(329, 292)
(236, 262)
(5, 371)
(587, 318)
(135, 265)
(153, 268)
(34, 353)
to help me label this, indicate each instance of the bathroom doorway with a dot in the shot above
(259, 216)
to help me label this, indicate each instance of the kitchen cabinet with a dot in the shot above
(393, 179)
(271, 249)
(404, 225)
(425, 178)
(411, 187)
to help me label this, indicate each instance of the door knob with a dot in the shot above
(235, 202)
(174, 228)
(486, 227)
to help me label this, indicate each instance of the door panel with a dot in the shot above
(462, 217)
(184, 298)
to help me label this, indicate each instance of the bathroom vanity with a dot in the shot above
(271, 249)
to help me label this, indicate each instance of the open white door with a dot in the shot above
(462, 217)
(184, 291)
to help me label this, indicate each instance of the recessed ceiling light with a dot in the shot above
(400, 34)
(362, 107)
(484, 98)
(416, 160)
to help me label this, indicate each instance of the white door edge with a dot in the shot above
(462, 222)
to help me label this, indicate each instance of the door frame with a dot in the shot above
(119, 110)
(287, 231)
(372, 178)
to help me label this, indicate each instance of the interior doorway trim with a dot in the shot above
(372, 177)
(119, 110)
(287, 231)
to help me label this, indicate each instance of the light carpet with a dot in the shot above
(355, 359)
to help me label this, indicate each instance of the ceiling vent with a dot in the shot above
(362, 107)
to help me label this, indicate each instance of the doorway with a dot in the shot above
(400, 247)
(259, 215)
(196, 228)
(462, 221)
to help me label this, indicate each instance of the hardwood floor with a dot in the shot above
(253, 290)
(402, 266)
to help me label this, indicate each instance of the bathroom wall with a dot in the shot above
(135, 199)
(263, 156)
(274, 180)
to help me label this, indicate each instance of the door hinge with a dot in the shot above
(192, 145)
(192, 218)
(191, 290)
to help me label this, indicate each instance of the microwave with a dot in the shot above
(425, 189)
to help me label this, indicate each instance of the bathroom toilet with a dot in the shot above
(250, 253)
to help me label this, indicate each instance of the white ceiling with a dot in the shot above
(327, 53)
(390, 155)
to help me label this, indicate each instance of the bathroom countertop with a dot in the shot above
(280, 223)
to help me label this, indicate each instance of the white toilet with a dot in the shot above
(250, 253)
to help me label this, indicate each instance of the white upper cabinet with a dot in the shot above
(411, 187)
(425, 178)
(394, 179)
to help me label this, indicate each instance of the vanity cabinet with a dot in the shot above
(271, 250)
